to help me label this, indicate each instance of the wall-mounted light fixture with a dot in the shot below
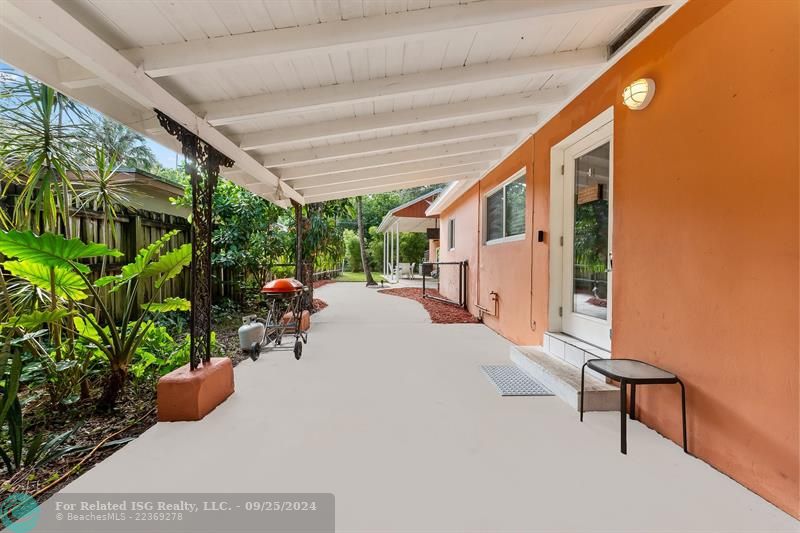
(638, 94)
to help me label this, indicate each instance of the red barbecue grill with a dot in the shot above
(285, 316)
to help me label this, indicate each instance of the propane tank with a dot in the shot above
(251, 331)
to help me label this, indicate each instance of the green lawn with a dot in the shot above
(358, 276)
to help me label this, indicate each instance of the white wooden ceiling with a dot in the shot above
(324, 99)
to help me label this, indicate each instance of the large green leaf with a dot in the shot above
(50, 249)
(140, 262)
(86, 329)
(34, 319)
(169, 304)
(68, 284)
(169, 265)
(105, 280)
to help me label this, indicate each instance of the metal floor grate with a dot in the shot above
(511, 381)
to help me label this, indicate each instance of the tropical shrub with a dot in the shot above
(375, 248)
(160, 353)
(353, 250)
(15, 450)
(412, 247)
(52, 262)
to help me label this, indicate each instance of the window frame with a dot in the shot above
(451, 234)
(502, 187)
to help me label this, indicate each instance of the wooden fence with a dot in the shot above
(132, 231)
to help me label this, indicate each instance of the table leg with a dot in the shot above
(583, 371)
(633, 401)
(623, 411)
(683, 413)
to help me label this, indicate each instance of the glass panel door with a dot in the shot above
(590, 234)
(586, 293)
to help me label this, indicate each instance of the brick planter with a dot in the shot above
(184, 395)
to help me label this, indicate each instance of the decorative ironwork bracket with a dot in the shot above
(202, 163)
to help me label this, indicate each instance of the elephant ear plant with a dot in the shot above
(51, 262)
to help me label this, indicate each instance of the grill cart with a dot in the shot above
(285, 316)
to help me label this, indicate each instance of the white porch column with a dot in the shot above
(383, 259)
(390, 247)
(397, 249)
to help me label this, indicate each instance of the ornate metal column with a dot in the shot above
(298, 241)
(203, 164)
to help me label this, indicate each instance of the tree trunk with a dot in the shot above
(86, 393)
(115, 384)
(308, 273)
(303, 268)
(363, 244)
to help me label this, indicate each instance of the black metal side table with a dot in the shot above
(632, 372)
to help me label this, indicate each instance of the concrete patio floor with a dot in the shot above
(393, 415)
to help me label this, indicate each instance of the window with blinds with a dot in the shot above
(505, 210)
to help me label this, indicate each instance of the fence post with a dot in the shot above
(135, 232)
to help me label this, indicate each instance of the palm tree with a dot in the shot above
(40, 137)
(363, 244)
(101, 192)
(40, 142)
(126, 146)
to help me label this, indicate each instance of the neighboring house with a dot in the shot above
(668, 234)
(151, 192)
(409, 217)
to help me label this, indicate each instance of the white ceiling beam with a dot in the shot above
(391, 158)
(398, 142)
(388, 187)
(461, 170)
(360, 33)
(258, 106)
(55, 27)
(395, 170)
(16, 49)
(478, 109)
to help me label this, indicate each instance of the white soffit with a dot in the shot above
(349, 97)
(455, 189)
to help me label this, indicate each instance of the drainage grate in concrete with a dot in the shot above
(511, 381)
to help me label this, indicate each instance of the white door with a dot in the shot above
(586, 291)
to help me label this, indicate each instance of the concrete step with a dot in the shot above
(564, 380)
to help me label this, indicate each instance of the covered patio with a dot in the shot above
(411, 436)
(308, 102)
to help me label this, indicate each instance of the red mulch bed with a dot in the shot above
(440, 313)
(322, 282)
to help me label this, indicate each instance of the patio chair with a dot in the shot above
(404, 269)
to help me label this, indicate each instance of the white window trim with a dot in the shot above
(503, 240)
(511, 238)
(451, 238)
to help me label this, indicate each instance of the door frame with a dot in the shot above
(556, 263)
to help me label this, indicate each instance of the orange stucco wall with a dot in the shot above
(705, 233)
